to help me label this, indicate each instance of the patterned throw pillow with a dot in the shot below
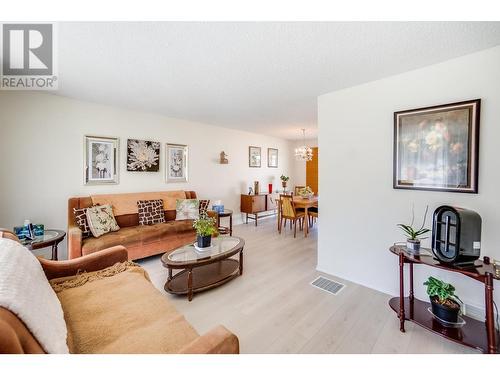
(101, 220)
(187, 209)
(81, 221)
(151, 212)
(204, 205)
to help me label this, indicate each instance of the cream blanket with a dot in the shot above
(26, 292)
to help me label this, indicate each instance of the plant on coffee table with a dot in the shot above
(205, 228)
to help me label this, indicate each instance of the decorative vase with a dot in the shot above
(203, 241)
(413, 246)
(283, 183)
(270, 187)
(256, 187)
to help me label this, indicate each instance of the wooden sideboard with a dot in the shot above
(254, 204)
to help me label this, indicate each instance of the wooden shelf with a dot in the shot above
(473, 334)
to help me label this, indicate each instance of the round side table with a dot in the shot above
(222, 229)
(51, 237)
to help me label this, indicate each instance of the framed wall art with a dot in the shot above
(101, 160)
(272, 157)
(143, 156)
(176, 166)
(437, 148)
(254, 157)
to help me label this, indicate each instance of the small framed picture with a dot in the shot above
(437, 148)
(101, 160)
(176, 167)
(272, 157)
(143, 156)
(254, 157)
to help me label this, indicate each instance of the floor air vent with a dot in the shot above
(328, 285)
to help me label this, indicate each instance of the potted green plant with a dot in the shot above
(412, 234)
(205, 228)
(445, 303)
(284, 179)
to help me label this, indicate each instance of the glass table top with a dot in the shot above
(220, 246)
(47, 236)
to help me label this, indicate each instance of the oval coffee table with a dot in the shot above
(203, 270)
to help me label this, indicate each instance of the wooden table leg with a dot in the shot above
(190, 284)
(169, 274)
(490, 321)
(401, 293)
(241, 262)
(411, 282)
(54, 251)
(279, 219)
(231, 225)
(306, 217)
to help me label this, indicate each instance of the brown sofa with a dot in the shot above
(138, 318)
(140, 240)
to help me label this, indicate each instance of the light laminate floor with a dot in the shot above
(273, 308)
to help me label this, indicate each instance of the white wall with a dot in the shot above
(299, 171)
(359, 207)
(41, 148)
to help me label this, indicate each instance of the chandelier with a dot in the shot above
(304, 152)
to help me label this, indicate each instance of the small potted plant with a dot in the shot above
(412, 234)
(284, 179)
(205, 228)
(445, 304)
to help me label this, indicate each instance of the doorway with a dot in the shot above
(312, 172)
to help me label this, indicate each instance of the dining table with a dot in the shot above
(301, 202)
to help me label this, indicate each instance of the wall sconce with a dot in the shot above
(223, 158)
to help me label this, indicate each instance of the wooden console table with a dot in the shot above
(475, 334)
(254, 204)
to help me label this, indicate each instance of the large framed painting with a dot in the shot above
(272, 158)
(437, 148)
(143, 156)
(101, 160)
(254, 157)
(176, 167)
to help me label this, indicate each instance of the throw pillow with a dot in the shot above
(101, 220)
(187, 209)
(81, 221)
(151, 212)
(204, 206)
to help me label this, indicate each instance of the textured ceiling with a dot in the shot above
(261, 77)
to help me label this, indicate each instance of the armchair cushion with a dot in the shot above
(116, 302)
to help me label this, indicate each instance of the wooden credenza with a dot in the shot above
(254, 204)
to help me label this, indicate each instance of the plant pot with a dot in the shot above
(445, 312)
(283, 183)
(203, 241)
(413, 246)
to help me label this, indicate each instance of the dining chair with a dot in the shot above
(288, 212)
(312, 214)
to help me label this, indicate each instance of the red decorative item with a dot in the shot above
(270, 188)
